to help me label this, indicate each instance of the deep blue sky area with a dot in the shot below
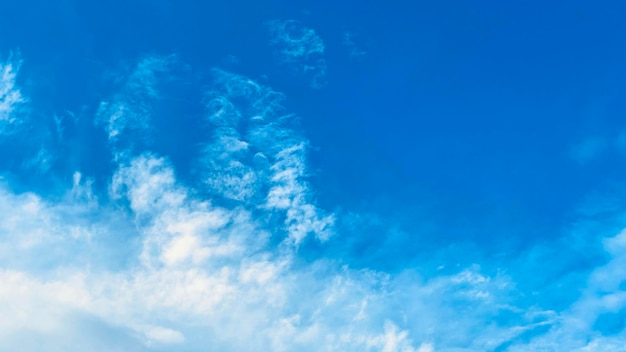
(442, 138)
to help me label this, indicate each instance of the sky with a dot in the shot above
(312, 176)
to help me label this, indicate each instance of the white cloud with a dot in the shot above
(392, 340)
(295, 41)
(162, 263)
(288, 192)
(426, 347)
(18, 118)
(211, 269)
(129, 110)
(594, 321)
(35, 232)
(164, 335)
(197, 265)
(300, 48)
(256, 158)
(10, 96)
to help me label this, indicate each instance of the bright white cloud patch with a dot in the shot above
(162, 263)
(300, 48)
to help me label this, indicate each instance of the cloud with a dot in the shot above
(589, 150)
(595, 321)
(10, 96)
(38, 152)
(226, 281)
(350, 44)
(128, 111)
(195, 265)
(594, 148)
(300, 48)
(255, 157)
(211, 268)
(158, 261)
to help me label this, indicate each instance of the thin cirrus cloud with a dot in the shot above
(299, 48)
(351, 45)
(255, 156)
(155, 262)
(10, 96)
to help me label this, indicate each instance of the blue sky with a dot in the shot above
(312, 176)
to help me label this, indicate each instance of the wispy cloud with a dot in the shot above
(32, 154)
(255, 157)
(129, 110)
(593, 148)
(300, 48)
(589, 149)
(10, 96)
(351, 45)
(595, 321)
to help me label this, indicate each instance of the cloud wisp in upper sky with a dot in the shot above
(156, 262)
(129, 111)
(351, 45)
(299, 48)
(255, 156)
